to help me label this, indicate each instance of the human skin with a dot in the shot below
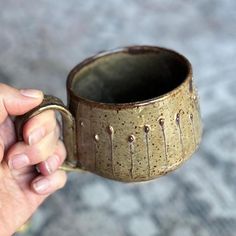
(22, 188)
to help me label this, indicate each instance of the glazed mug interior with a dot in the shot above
(130, 76)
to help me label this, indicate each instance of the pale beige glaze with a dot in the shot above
(138, 141)
(142, 142)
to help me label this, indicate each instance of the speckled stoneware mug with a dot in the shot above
(132, 114)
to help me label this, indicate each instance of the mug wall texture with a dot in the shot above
(138, 142)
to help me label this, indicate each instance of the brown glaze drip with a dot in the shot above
(178, 118)
(131, 138)
(131, 150)
(180, 132)
(193, 128)
(191, 116)
(195, 99)
(110, 131)
(190, 86)
(147, 130)
(162, 123)
(96, 137)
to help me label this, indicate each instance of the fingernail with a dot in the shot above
(41, 185)
(18, 161)
(32, 93)
(36, 136)
(51, 164)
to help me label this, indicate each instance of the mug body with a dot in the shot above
(136, 111)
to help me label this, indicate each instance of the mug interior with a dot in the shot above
(129, 75)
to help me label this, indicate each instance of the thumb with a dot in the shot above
(17, 102)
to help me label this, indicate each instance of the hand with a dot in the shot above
(22, 188)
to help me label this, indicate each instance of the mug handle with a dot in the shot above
(68, 122)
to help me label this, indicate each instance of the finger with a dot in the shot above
(39, 126)
(46, 146)
(45, 185)
(17, 102)
(53, 162)
(21, 155)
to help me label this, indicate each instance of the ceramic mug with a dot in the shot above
(132, 114)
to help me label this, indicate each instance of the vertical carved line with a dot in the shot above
(95, 157)
(81, 123)
(180, 133)
(110, 131)
(196, 102)
(197, 113)
(96, 140)
(80, 142)
(91, 161)
(191, 86)
(148, 155)
(131, 151)
(147, 130)
(193, 128)
(162, 123)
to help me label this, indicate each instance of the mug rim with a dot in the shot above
(130, 50)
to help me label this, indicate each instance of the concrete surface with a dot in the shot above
(40, 41)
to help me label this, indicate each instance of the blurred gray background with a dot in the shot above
(40, 41)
